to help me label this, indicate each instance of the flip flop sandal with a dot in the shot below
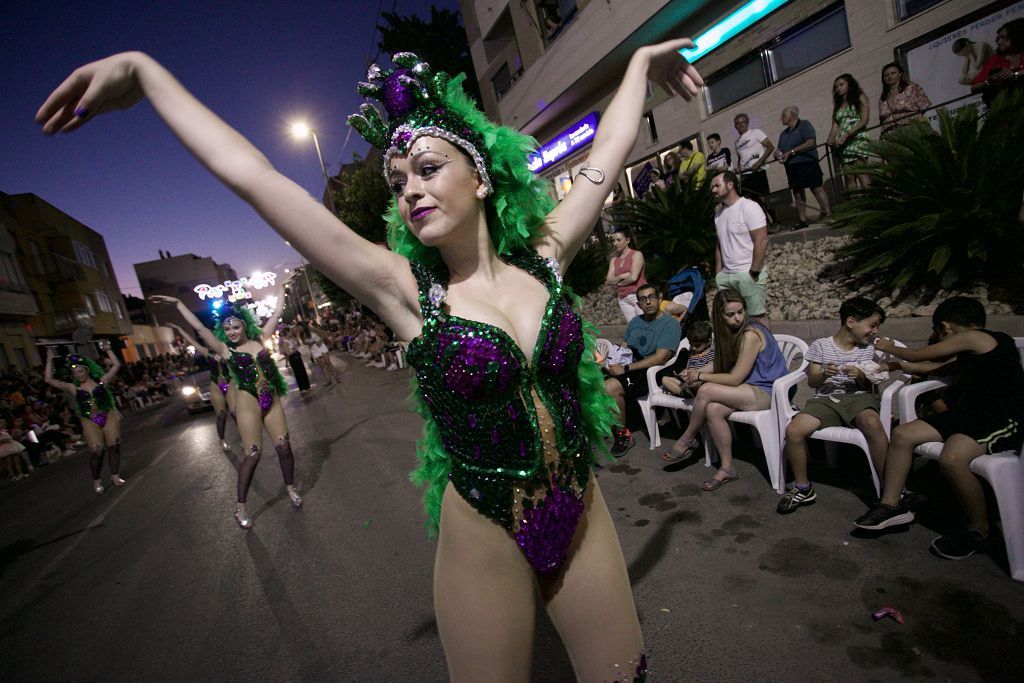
(715, 484)
(671, 459)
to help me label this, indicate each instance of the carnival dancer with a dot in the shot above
(94, 404)
(259, 388)
(512, 402)
(222, 391)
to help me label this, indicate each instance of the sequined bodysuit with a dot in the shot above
(511, 429)
(220, 374)
(94, 405)
(257, 376)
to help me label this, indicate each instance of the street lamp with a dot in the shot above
(300, 130)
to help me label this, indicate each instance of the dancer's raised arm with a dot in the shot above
(377, 277)
(271, 324)
(571, 222)
(115, 364)
(48, 375)
(209, 340)
(200, 349)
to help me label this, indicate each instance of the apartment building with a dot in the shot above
(66, 269)
(550, 67)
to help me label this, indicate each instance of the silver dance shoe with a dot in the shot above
(296, 499)
(98, 488)
(116, 480)
(244, 522)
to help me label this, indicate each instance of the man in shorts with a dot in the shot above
(742, 229)
(843, 395)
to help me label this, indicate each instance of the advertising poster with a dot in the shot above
(944, 64)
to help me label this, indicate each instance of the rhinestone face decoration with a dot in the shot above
(413, 98)
(509, 424)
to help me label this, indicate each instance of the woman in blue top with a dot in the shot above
(747, 361)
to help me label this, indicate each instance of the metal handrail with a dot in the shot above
(827, 155)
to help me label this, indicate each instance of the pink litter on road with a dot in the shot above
(887, 611)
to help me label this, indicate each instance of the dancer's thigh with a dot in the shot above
(250, 423)
(591, 602)
(112, 429)
(217, 399)
(274, 421)
(483, 597)
(91, 433)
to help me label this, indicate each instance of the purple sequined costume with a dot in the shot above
(511, 427)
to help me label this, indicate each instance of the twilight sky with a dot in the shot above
(258, 65)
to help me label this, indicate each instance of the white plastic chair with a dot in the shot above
(1003, 471)
(832, 436)
(766, 422)
(657, 397)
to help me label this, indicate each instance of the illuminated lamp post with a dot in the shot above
(300, 130)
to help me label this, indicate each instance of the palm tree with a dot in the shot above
(942, 209)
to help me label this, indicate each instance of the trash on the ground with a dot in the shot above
(886, 611)
(366, 524)
(665, 609)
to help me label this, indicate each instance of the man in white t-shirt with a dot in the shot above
(742, 229)
(753, 151)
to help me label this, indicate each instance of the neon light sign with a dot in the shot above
(236, 290)
(577, 136)
(728, 27)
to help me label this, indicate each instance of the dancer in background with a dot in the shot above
(512, 400)
(259, 389)
(101, 421)
(222, 391)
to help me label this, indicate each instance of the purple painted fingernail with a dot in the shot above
(81, 112)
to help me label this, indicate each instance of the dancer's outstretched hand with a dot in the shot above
(671, 71)
(161, 299)
(90, 90)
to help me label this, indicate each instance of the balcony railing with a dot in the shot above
(67, 269)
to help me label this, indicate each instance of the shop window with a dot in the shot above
(908, 8)
(745, 79)
(809, 44)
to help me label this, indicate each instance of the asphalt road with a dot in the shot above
(155, 581)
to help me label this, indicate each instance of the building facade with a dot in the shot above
(545, 66)
(178, 276)
(66, 268)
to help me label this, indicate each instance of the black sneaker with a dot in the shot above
(959, 545)
(623, 442)
(882, 516)
(794, 498)
(911, 500)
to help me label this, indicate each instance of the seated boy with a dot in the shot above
(843, 395)
(699, 356)
(986, 415)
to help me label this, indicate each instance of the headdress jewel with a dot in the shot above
(416, 102)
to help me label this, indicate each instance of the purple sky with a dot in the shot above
(258, 65)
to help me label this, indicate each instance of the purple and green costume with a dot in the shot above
(95, 405)
(257, 376)
(512, 434)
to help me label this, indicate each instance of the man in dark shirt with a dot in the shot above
(797, 151)
(719, 157)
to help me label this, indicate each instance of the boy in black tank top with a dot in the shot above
(986, 415)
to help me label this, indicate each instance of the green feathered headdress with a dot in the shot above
(420, 103)
(226, 311)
